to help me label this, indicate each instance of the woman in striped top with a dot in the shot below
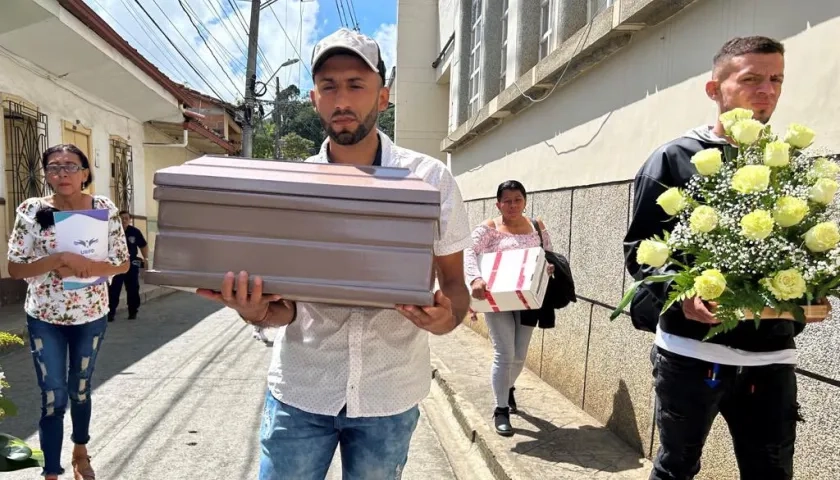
(510, 337)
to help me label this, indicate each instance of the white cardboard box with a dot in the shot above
(516, 280)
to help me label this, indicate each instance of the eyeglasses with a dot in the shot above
(55, 169)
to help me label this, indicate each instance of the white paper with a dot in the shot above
(84, 232)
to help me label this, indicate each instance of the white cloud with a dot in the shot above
(227, 36)
(386, 36)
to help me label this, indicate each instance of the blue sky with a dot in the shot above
(288, 29)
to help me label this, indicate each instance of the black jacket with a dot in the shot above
(560, 291)
(670, 166)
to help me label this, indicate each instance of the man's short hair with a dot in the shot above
(125, 212)
(745, 45)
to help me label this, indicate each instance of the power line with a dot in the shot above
(300, 36)
(189, 44)
(224, 20)
(354, 21)
(232, 59)
(260, 53)
(340, 13)
(227, 28)
(177, 66)
(137, 42)
(353, 7)
(300, 57)
(206, 44)
(178, 50)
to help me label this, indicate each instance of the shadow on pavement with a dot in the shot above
(586, 446)
(126, 342)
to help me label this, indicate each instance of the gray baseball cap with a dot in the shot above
(356, 43)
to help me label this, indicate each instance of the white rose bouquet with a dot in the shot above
(755, 234)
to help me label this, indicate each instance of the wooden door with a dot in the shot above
(80, 137)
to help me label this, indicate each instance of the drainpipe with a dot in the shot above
(183, 143)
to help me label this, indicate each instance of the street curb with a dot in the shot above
(145, 297)
(478, 431)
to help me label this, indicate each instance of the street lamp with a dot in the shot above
(288, 62)
(272, 2)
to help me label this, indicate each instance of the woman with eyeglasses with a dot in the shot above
(66, 327)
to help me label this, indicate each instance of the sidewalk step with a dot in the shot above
(554, 439)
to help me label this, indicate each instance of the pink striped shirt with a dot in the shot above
(486, 239)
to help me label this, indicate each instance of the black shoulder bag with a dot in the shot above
(562, 274)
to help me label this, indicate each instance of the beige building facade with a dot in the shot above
(101, 95)
(570, 97)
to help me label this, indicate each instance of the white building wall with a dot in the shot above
(446, 15)
(603, 125)
(60, 101)
(421, 106)
(577, 153)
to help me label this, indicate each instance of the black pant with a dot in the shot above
(758, 403)
(131, 279)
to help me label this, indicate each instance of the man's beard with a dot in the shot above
(762, 116)
(345, 137)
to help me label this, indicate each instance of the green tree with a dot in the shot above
(299, 117)
(295, 147)
(263, 140)
(386, 121)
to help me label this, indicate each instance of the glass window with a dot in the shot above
(503, 70)
(475, 58)
(594, 7)
(546, 27)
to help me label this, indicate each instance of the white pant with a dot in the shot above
(510, 344)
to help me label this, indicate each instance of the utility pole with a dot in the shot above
(250, 81)
(278, 120)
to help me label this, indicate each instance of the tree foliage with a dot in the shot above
(296, 147)
(299, 117)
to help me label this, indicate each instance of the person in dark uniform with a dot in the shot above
(136, 243)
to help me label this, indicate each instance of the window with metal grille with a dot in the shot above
(503, 71)
(25, 133)
(475, 58)
(546, 27)
(122, 179)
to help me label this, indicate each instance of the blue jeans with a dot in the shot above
(299, 445)
(52, 346)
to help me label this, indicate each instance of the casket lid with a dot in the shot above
(325, 180)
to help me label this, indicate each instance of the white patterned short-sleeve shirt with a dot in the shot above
(46, 298)
(373, 361)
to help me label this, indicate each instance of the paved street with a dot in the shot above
(178, 395)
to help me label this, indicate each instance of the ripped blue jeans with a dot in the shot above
(53, 347)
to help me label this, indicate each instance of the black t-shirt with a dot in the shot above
(377, 160)
(135, 240)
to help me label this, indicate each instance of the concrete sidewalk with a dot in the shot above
(13, 318)
(553, 438)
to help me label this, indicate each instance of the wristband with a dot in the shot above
(256, 322)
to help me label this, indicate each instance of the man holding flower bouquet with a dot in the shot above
(705, 193)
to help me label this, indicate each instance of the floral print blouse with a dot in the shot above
(46, 298)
